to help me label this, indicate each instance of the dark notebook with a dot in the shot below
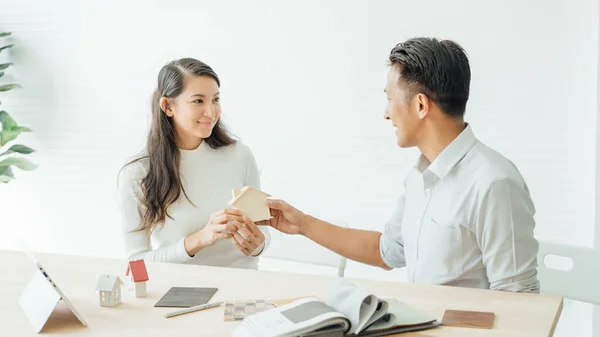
(185, 297)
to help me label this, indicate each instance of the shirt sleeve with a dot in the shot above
(391, 245)
(504, 232)
(252, 179)
(137, 242)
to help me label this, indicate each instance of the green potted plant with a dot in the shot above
(11, 156)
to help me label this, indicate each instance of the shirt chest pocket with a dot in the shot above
(441, 247)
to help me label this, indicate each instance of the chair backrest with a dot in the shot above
(297, 248)
(569, 271)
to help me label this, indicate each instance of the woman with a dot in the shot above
(175, 195)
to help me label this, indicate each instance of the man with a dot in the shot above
(466, 218)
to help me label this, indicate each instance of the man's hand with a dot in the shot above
(286, 218)
(355, 244)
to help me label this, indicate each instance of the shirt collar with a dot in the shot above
(451, 155)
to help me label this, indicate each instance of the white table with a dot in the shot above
(527, 315)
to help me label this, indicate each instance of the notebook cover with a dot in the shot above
(185, 297)
(400, 330)
(332, 331)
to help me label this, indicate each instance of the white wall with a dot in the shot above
(302, 86)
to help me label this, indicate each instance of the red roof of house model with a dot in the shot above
(138, 271)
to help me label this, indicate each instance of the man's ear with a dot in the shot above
(165, 106)
(424, 104)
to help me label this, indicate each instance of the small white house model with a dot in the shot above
(138, 276)
(252, 202)
(109, 288)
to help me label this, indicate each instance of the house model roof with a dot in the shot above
(138, 271)
(252, 202)
(237, 194)
(108, 283)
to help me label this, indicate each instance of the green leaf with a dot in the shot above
(5, 34)
(7, 121)
(5, 65)
(1, 73)
(8, 87)
(6, 174)
(10, 129)
(6, 171)
(21, 163)
(6, 47)
(10, 134)
(18, 148)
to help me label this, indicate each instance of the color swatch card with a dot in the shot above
(468, 319)
(237, 310)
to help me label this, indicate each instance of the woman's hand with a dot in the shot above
(247, 238)
(219, 227)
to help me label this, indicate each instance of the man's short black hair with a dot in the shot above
(438, 69)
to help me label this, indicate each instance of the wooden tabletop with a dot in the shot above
(528, 315)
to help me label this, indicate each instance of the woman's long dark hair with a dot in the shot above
(162, 185)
